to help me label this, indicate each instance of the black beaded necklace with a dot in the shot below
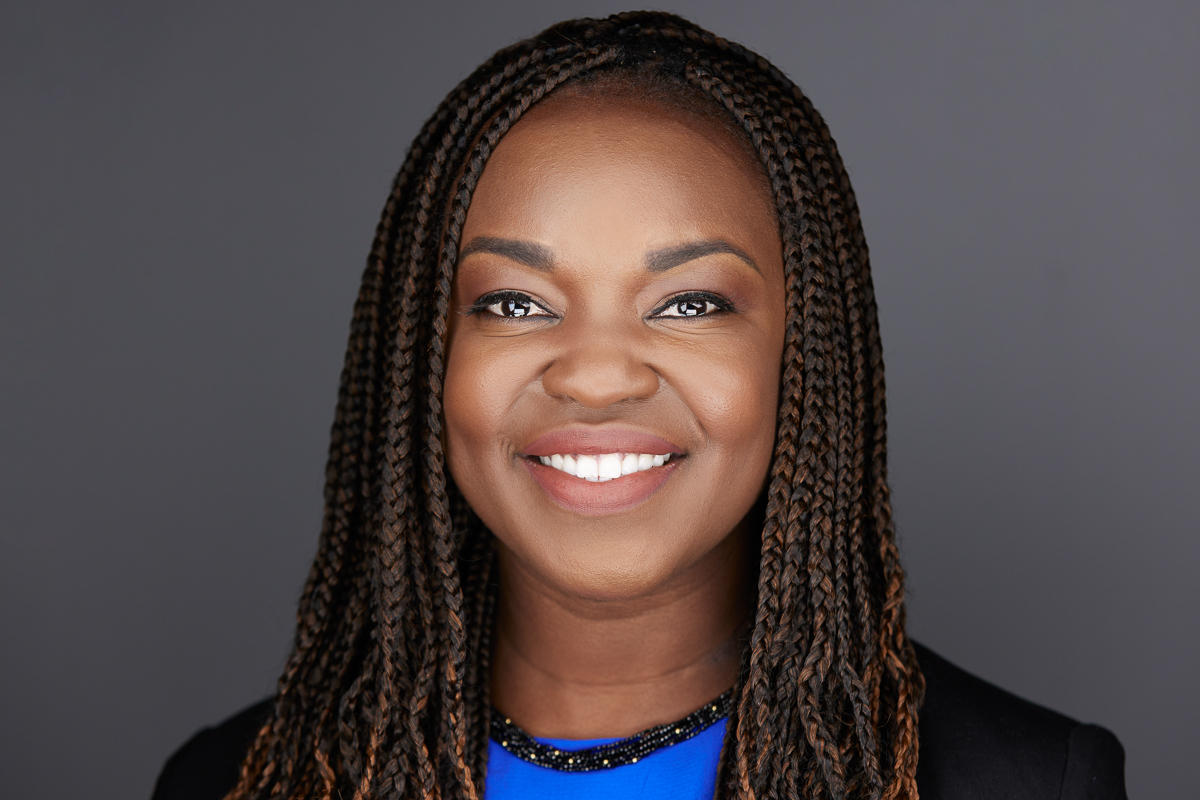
(607, 756)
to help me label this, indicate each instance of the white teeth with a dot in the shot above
(587, 467)
(604, 467)
(610, 466)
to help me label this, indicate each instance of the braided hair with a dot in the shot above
(385, 693)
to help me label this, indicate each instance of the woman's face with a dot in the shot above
(618, 310)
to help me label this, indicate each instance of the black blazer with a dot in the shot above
(978, 742)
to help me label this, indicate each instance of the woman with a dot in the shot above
(607, 509)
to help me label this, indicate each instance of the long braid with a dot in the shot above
(826, 508)
(852, 254)
(780, 578)
(385, 692)
(851, 439)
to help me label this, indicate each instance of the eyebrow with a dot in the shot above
(541, 258)
(528, 253)
(671, 257)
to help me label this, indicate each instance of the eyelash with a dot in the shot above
(483, 304)
(488, 300)
(723, 306)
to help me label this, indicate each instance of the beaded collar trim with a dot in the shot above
(614, 754)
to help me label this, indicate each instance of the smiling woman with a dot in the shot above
(645, 328)
(610, 404)
(607, 506)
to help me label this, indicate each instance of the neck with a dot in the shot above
(577, 668)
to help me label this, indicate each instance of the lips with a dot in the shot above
(591, 497)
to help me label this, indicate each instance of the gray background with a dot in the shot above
(188, 193)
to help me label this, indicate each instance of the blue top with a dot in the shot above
(686, 771)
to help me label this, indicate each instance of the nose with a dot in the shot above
(598, 368)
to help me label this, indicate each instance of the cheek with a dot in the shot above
(470, 410)
(733, 393)
(485, 381)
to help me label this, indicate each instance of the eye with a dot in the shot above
(508, 305)
(693, 304)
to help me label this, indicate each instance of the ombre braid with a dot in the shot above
(385, 693)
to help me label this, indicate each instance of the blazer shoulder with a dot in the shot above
(206, 766)
(979, 741)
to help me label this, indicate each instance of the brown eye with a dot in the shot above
(509, 305)
(512, 308)
(693, 304)
(691, 308)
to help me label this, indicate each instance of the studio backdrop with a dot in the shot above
(189, 192)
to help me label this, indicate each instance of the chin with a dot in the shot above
(614, 577)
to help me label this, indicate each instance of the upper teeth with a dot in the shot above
(604, 467)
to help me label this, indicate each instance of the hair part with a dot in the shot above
(385, 693)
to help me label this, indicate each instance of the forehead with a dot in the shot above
(600, 161)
